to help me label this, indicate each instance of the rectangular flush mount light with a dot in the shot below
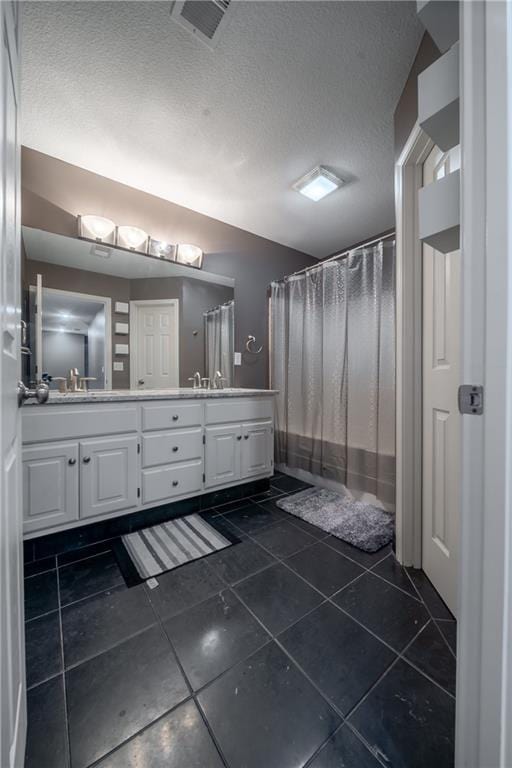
(317, 183)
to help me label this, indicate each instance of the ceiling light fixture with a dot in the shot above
(191, 255)
(98, 228)
(133, 238)
(317, 184)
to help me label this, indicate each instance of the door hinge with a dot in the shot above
(138, 447)
(471, 399)
(204, 477)
(138, 493)
(204, 439)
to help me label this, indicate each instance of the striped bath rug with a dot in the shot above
(166, 546)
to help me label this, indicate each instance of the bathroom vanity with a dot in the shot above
(102, 454)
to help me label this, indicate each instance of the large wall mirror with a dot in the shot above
(99, 317)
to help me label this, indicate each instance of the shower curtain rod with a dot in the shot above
(226, 304)
(341, 255)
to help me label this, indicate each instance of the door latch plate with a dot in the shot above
(471, 399)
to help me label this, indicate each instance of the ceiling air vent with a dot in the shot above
(201, 17)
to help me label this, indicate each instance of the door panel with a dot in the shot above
(12, 652)
(441, 419)
(222, 454)
(256, 449)
(50, 485)
(157, 345)
(108, 475)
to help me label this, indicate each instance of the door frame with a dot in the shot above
(484, 643)
(409, 321)
(107, 306)
(134, 316)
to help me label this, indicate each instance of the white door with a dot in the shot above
(12, 655)
(108, 475)
(222, 454)
(50, 485)
(441, 418)
(156, 361)
(256, 449)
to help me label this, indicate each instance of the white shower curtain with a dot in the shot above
(333, 362)
(219, 337)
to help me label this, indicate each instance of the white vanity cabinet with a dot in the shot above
(238, 452)
(91, 460)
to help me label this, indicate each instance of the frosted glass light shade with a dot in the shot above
(96, 228)
(317, 184)
(161, 249)
(191, 255)
(133, 238)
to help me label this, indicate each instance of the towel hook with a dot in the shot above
(248, 345)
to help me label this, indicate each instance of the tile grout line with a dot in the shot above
(64, 681)
(431, 615)
(190, 687)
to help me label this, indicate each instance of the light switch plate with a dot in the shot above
(119, 366)
(122, 328)
(238, 358)
(122, 349)
(121, 307)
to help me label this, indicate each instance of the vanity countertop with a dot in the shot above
(119, 395)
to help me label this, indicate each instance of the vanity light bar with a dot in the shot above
(102, 230)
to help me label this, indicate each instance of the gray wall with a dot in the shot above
(406, 112)
(54, 193)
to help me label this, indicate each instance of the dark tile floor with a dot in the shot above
(289, 649)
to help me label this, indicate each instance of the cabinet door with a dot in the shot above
(257, 449)
(109, 475)
(222, 454)
(50, 485)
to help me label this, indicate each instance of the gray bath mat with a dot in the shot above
(362, 525)
(164, 547)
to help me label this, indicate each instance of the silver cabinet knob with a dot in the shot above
(140, 382)
(71, 462)
(239, 437)
(175, 417)
(86, 459)
(174, 448)
(174, 483)
(246, 437)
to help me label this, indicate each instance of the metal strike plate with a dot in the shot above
(471, 399)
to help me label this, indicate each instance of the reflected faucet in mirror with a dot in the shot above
(196, 379)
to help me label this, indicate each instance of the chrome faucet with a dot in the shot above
(218, 380)
(196, 378)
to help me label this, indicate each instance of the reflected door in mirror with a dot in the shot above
(155, 363)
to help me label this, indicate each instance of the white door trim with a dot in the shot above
(134, 309)
(408, 180)
(484, 686)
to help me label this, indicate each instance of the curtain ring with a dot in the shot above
(248, 346)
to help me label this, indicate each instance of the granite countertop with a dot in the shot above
(119, 395)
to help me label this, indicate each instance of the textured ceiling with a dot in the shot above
(120, 89)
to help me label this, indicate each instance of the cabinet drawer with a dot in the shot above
(243, 409)
(72, 422)
(170, 447)
(171, 415)
(176, 480)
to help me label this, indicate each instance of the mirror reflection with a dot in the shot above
(98, 317)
